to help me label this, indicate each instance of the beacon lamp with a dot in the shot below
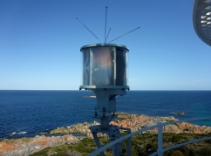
(105, 73)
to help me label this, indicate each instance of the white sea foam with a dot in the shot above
(22, 133)
(13, 133)
(18, 133)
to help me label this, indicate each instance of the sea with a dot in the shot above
(26, 113)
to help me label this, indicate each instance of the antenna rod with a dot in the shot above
(107, 35)
(105, 22)
(87, 29)
(123, 35)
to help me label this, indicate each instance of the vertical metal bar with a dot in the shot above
(129, 144)
(117, 146)
(125, 54)
(160, 139)
(90, 71)
(113, 135)
(105, 22)
(114, 61)
(84, 68)
(112, 138)
(116, 149)
(97, 142)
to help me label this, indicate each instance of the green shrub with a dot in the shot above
(142, 145)
(206, 152)
(174, 153)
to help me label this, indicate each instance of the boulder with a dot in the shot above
(178, 113)
(181, 113)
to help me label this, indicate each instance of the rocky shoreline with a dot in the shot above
(27, 146)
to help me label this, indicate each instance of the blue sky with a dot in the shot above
(40, 43)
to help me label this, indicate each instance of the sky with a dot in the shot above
(40, 43)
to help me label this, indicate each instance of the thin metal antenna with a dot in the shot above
(123, 35)
(87, 29)
(105, 21)
(107, 35)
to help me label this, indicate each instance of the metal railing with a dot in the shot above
(159, 126)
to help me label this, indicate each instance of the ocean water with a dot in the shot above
(27, 113)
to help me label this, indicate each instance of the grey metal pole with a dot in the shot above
(97, 142)
(129, 144)
(160, 139)
(116, 147)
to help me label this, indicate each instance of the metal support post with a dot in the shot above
(129, 144)
(116, 147)
(97, 142)
(160, 139)
(114, 133)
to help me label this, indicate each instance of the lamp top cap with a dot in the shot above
(103, 45)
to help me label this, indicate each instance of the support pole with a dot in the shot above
(129, 143)
(97, 142)
(114, 133)
(160, 139)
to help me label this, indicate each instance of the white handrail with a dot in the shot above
(160, 141)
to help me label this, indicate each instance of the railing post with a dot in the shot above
(160, 139)
(97, 142)
(129, 144)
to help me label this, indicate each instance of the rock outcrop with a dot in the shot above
(137, 122)
(27, 146)
(185, 127)
(82, 128)
(124, 120)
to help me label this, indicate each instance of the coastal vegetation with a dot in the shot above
(76, 140)
(142, 145)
